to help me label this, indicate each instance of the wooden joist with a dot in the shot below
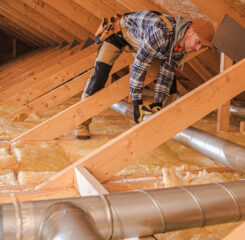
(237, 234)
(58, 33)
(35, 22)
(41, 64)
(24, 22)
(142, 138)
(14, 30)
(217, 9)
(50, 78)
(36, 195)
(223, 116)
(64, 92)
(86, 184)
(142, 5)
(77, 14)
(64, 22)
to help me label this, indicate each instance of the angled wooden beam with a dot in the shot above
(44, 22)
(38, 195)
(217, 9)
(142, 5)
(23, 59)
(200, 69)
(142, 138)
(242, 127)
(223, 116)
(64, 92)
(20, 14)
(10, 27)
(75, 116)
(54, 75)
(86, 184)
(40, 64)
(237, 234)
(96, 7)
(64, 22)
(76, 14)
(24, 22)
(27, 66)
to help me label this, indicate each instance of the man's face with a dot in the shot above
(192, 41)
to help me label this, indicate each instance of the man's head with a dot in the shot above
(199, 34)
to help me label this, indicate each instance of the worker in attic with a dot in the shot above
(148, 35)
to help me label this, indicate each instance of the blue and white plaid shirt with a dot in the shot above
(155, 42)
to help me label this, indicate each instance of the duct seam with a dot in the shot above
(195, 198)
(234, 199)
(108, 213)
(157, 205)
(18, 217)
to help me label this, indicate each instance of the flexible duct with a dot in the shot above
(226, 152)
(124, 215)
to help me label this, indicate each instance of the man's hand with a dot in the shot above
(139, 111)
(155, 107)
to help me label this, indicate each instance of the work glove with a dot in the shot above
(139, 111)
(155, 107)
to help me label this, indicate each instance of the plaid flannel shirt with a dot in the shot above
(155, 42)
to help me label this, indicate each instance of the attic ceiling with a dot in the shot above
(41, 23)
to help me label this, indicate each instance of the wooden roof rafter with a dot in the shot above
(61, 20)
(37, 29)
(217, 9)
(137, 141)
(76, 13)
(59, 34)
(6, 22)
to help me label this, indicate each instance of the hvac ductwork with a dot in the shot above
(238, 110)
(226, 152)
(124, 215)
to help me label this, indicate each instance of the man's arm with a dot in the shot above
(153, 42)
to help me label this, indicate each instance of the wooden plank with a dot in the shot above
(86, 184)
(33, 21)
(200, 69)
(43, 21)
(242, 127)
(96, 7)
(40, 64)
(237, 234)
(223, 115)
(38, 195)
(49, 83)
(142, 5)
(74, 115)
(20, 62)
(13, 29)
(14, 16)
(64, 22)
(29, 67)
(63, 92)
(217, 9)
(142, 138)
(60, 72)
(76, 14)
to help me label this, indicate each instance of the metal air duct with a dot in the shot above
(124, 215)
(226, 152)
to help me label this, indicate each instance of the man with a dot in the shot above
(149, 35)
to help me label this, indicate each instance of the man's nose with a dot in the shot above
(198, 47)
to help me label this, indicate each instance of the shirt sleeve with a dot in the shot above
(164, 79)
(153, 42)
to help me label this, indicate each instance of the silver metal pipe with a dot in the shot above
(238, 110)
(125, 215)
(226, 152)
(67, 221)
